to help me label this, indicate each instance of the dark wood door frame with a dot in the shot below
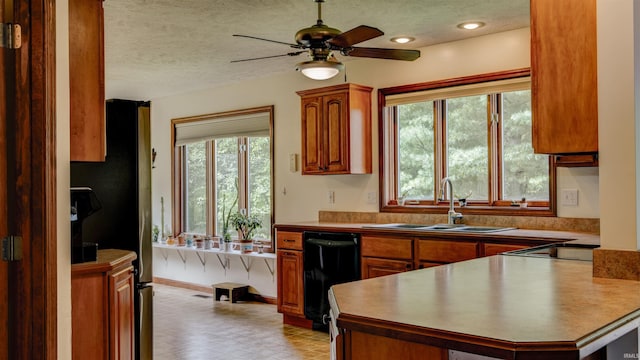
(33, 205)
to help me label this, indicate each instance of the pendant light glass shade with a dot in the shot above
(319, 69)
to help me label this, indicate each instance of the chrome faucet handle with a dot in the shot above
(453, 216)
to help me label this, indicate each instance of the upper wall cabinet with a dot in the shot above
(564, 76)
(336, 130)
(86, 77)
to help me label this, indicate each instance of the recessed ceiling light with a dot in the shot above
(402, 39)
(472, 25)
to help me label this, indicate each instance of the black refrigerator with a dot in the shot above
(122, 184)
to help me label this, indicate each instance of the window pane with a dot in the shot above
(525, 174)
(415, 151)
(260, 183)
(226, 181)
(467, 147)
(196, 188)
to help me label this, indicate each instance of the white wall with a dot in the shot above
(62, 175)
(306, 195)
(192, 270)
(618, 86)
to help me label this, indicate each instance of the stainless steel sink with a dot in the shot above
(441, 227)
(396, 226)
(482, 229)
(446, 227)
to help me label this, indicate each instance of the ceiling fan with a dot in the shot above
(321, 41)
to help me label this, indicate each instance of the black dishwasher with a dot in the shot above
(329, 258)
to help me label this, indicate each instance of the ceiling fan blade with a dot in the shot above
(296, 46)
(392, 54)
(355, 36)
(295, 53)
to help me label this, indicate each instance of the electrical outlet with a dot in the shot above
(331, 197)
(371, 197)
(569, 197)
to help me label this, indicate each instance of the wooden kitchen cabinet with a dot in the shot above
(564, 77)
(363, 345)
(102, 307)
(336, 130)
(381, 255)
(495, 249)
(290, 281)
(122, 343)
(291, 278)
(435, 252)
(374, 267)
(86, 80)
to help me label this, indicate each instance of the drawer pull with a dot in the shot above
(289, 240)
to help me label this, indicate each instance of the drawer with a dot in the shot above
(289, 240)
(446, 251)
(387, 247)
(495, 249)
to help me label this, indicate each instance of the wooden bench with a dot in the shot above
(233, 291)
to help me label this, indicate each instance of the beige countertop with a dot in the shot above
(107, 260)
(496, 306)
(533, 236)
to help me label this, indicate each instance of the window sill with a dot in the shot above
(471, 210)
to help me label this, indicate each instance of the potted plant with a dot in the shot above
(246, 225)
(226, 217)
(155, 233)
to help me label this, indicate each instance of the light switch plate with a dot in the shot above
(569, 197)
(293, 162)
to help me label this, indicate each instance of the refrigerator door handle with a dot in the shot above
(140, 241)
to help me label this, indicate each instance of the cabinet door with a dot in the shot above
(290, 283)
(495, 249)
(86, 81)
(312, 136)
(89, 316)
(336, 130)
(564, 76)
(336, 134)
(121, 315)
(440, 251)
(374, 267)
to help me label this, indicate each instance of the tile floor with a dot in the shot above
(189, 325)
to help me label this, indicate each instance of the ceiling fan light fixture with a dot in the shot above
(320, 69)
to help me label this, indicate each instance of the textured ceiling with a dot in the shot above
(155, 48)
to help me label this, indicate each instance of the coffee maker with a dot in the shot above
(84, 202)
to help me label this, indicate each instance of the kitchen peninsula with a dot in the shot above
(502, 306)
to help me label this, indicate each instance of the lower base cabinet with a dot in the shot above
(360, 345)
(495, 249)
(374, 267)
(290, 282)
(102, 307)
(384, 255)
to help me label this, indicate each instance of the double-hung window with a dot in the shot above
(476, 132)
(222, 165)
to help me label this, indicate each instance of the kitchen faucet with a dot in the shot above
(452, 215)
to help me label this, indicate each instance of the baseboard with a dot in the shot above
(297, 321)
(207, 289)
